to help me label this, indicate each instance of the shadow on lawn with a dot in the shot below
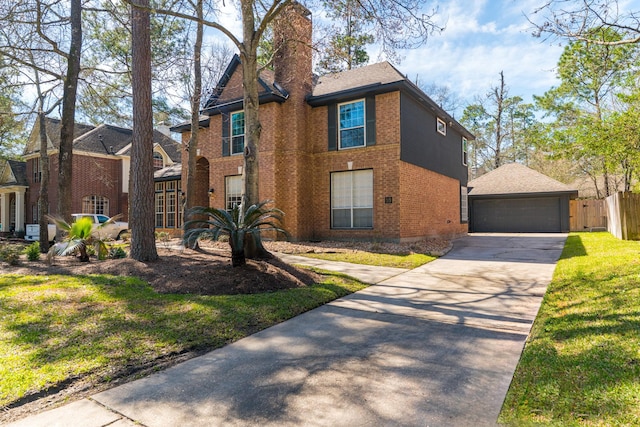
(130, 329)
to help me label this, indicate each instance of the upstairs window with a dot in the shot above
(351, 124)
(441, 126)
(158, 161)
(237, 132)
(465, 154)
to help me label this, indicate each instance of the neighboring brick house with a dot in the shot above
(101, 163)
(13, 188)
(362, 154)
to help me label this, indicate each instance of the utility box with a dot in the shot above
(32, 232)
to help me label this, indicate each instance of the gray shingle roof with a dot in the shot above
(170, 172)
(382, 72)
(12, 173)
(514, 178)
(19, 171)
(108, 139)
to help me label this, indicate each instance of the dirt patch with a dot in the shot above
(208, 271)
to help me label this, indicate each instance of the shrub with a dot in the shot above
(116, 252)
(79, 239)
(236, 224)
(33, 251)
(10, 254)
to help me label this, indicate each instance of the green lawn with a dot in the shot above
(581, 366)
(54, 329)
(409, 261)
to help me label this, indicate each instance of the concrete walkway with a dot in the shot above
(434, 346)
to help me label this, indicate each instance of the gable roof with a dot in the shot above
(516, 179)
(268, 91)
(103, 139)
(53, 134)
(13, 173)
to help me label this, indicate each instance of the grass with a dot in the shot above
(54, 329)
(581, 365)
(409, 261)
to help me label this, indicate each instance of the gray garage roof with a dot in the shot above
(516, 179)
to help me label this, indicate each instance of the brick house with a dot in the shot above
(361, 154)
(101, 162)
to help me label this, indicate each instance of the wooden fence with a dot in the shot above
(623, 211)
(587, 215)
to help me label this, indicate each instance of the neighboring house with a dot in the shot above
(13, 189)
(362, 154)
(514, 198)
(169, 199)
(101, 163)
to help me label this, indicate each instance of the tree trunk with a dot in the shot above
(253, 128)
(67, 122)
(143, 243)
(195, 112)
(237, 258)
(43, 201)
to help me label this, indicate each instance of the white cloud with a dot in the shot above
(482, 39)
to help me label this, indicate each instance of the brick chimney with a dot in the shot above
(292, 44)
(293, 149)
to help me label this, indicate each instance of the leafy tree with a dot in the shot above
(592, 76)
(345, 47)
(33, 40)
(576, 21)
(11, 126)
(236, 224)
(107, 96)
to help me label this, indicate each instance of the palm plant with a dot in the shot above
(237, 224)
(79, 236)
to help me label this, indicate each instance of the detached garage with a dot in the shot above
(516, 199)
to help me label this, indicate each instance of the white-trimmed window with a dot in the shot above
(464, 205)
(352, 199)
(237, 132)
(351, 122)
(159, 204)
(233, 191)
(158, 161)
(465, 152)
(95, 205)
(441, 126)
(172, 203)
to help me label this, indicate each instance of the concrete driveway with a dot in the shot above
(434, 346)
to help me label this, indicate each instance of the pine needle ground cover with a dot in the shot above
(57, 329)
(581, 365)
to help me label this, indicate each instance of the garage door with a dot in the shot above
(527, 215)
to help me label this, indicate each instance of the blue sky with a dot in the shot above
(482, 38)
